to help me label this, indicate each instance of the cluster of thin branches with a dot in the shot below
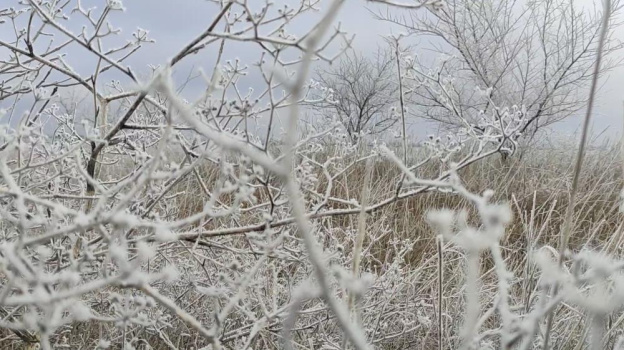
(101, 247)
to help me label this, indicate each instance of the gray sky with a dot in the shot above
(173, 23)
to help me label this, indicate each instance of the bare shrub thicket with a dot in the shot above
(144, 220)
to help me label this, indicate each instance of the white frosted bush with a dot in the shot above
(145, 219)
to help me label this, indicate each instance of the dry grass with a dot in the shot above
(536, 185)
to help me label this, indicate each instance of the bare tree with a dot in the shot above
(363, 90)
(536, 55)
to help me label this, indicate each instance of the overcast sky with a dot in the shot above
(172, 23)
